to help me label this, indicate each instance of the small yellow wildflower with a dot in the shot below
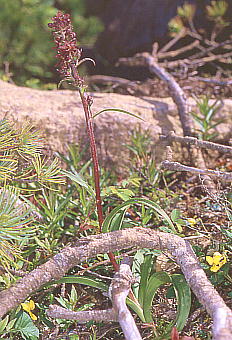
(216, 261)
(192, 221)
(28, 307)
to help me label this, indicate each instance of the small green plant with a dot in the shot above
(216, 12)
(23, 170)
(143, 164)
(19, 323)
(205, 119)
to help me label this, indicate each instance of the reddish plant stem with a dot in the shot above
(93, 149)
(90, 131)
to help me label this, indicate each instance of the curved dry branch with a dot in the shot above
(176, 166)
(89, 247)
(172, 137)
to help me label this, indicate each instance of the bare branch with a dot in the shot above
(197, 62)
(119, 290)
(172, 137)
(210, 49)
(176, 92)
(179, 98)
(213, 81)
(173, 41)
(106, 315)
(175, 166)
(89, 247)
(174, 53)
(102, 79)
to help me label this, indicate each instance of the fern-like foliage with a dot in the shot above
(16, 224)
(21, 158)
(22, 167)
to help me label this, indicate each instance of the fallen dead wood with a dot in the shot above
(172, 137)
(180, 100)
(89, 247)
(175, 166)
(176, 92)
(118, 291)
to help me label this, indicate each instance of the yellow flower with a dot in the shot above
(216, 261)
(28, 307)
(192, 221)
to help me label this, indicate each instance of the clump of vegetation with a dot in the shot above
(86, 207)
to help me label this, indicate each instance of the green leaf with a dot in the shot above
(83, 281)
(117, 221)
(183, 295)
(145, 270)
(175, 214)
(124, 194)
(136, 308)
(10, 325)
(73, 296)
(3, 323)
(77, 178)
(118, 110)
(26, 327)
(107, 225)
(155, 281)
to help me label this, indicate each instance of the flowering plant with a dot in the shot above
(216, 261)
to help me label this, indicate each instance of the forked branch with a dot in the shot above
(118, 291)
(172, 137)
(89, 247)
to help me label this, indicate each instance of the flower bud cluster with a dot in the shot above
(68, 53)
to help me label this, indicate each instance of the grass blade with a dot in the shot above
(118, 110)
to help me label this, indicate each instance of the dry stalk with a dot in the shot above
(86, 248)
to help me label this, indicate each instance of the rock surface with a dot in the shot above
(59, 115)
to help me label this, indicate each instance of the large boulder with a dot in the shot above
(60, 117)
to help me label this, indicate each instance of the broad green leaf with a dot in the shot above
(136, 308)
(73, 296)
(123, 193)
(145, 270)
(117, 221)
(183, 295)
(175, 214)
(26, 327)
(107, 225)
(3, 323)
(10, 325)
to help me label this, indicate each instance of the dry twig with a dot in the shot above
(172, 137)
(175, 166)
